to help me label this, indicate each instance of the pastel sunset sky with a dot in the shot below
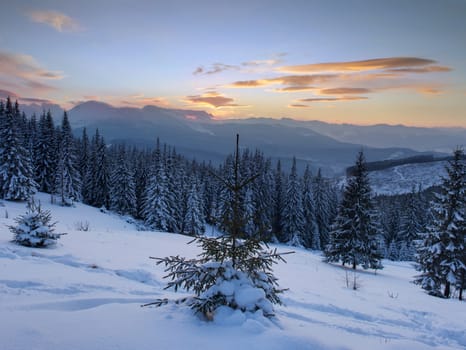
(348, 61)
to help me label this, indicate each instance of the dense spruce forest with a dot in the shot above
(164, 191)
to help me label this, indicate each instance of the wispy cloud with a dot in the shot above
(214, 69)
(297, 105)
(344, 91)
(26, 100)
(358, 66)
(332, 99)
(252, 66)
(55, 19)
(24, 71)
(212, 100)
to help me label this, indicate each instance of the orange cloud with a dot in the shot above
(249, 83)
(333, 99)
(212, 100)
(297, 105)
(54, 19)
(344, 91)
(295, 89)
(358, 66)
(292, 80)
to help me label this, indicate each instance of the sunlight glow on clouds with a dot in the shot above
(212, 100)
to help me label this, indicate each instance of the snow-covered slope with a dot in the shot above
(401, 179)
(86, 293)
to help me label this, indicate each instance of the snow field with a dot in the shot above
(86, 293)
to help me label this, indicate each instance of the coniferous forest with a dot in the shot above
(164, 191)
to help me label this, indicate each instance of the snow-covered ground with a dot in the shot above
(86, 293)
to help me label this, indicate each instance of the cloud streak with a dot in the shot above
(212, 100)
(358, 66)
(57, 20)
(23, 71)
(332, 99)
(214, 69)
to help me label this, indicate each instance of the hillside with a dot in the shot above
(402, 178)
(86, 293)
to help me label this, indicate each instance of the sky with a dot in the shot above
(349, 61)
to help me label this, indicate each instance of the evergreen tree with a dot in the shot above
(16, 177)
(156, 208)
(45, 160)
(194, 223)
(67, 178)
(353, 239)
(322, 208)
(311, 235)
(411, 226)
(278, 203)
(123, 192)
(293, 215)
(35, 229)
(84, 161)
(442, 252)
(98, 179)
(229, 267)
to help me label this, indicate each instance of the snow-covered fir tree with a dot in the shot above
(262, 197)
(156, 205)
(278, 202)
(67, 177)
(45, 159)
(35, 228)
(98, 179)
(293, 214)
(16, 174)
(353, 239)
(194, 222)
(322, 207)
(83, 159)
(122, 187)
(311, 235)
(442, 251)
(228, 267)
(411, 226)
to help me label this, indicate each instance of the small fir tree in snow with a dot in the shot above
(232, 271)
(353, 239)
(442, 252)
(35, 229)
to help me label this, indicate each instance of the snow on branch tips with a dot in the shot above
(35, 229)
(233, 270)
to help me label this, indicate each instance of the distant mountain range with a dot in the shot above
(331, 147)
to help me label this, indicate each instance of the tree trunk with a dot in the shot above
(446, 292)
(354, 264)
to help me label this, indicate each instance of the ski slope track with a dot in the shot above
(86, 292)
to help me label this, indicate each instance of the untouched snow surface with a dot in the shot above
(86, 293)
